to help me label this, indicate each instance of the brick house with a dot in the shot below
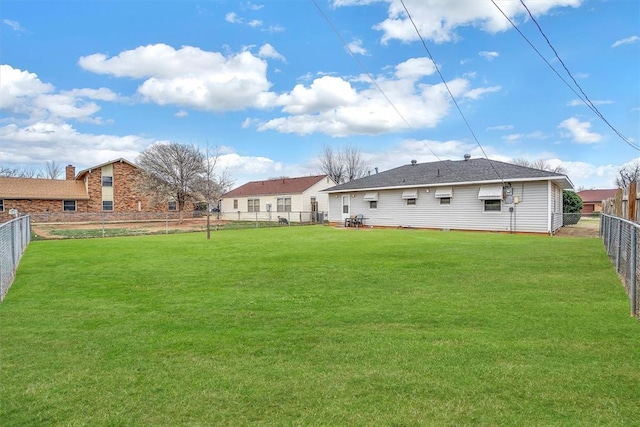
(105, 188)
(592, 199)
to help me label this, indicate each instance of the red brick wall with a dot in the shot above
(125, 196)
(37, 206)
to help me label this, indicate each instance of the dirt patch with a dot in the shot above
(67, 230)
(584, 228)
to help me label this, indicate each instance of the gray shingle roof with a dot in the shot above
(450, 172)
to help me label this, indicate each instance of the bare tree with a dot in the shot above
(539, 164)
(52, 170)
(355, 167)
(628, 174)
(331, 164)
(343, 166)
(211, 185)
(9, 172)
(172, 171)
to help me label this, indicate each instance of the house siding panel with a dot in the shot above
(466, 211)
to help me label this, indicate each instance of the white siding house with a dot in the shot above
(296, 199)
(473, 194)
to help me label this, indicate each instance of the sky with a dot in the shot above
(268, 84)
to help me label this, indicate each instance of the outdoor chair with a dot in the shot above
(357, 220)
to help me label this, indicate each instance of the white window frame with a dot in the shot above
(251, 205)
(65, 208)
(235, 203)
(445, 201)
(283, 204)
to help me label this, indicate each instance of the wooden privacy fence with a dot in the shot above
(624, 204)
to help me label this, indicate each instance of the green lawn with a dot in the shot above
(318, 326)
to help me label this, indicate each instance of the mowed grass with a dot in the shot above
(318, 326)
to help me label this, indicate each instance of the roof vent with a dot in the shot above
(413, 162)
(467, 157)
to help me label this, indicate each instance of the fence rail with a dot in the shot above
(15, 235)
(620, 238)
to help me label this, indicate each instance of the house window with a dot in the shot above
(107, 181)
(69, 205)
(373, 204)
(107, 205)
(284, 204)
(445, 200)
(235, 203)
(410, 196)
(253, 205)
(1, 205)
(492, 205)
(173, 206)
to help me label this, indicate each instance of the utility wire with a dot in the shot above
(424, 44)
(375, 83)
(584, 99)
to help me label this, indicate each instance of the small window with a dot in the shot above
(253, 205)
(107, 205)
(173, 206)
(283, 204)
(1, 205)
(235, 203)
(373, 204)
(69, 205)
(445, 200)
(107, 181)
(492, 205)
(411, 202)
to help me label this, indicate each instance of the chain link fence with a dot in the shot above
(620, 238)
(15, 235)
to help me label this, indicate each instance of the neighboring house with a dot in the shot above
(592, 199)
(296, 199)
(108, 187)
(470, 194)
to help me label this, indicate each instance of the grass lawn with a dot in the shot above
(318, 326)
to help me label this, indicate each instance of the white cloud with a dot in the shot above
(438, 20)
(268, 51)
(188, 76)
(478, 92)
(254, 23)
(580, 103)
(233, 18)
(628, 40)
(500, 127)
(43, 141)
(180, 114)
(15, 25)
(513, 137)
(579, 131)
(355, 47)
(489, 56)
(331, 105)
(24, 95)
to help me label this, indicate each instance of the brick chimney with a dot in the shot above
(70, 172)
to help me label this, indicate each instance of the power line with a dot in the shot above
(424, 44)
(375, 83)
(584, 99)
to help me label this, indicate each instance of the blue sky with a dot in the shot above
(271, 83)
